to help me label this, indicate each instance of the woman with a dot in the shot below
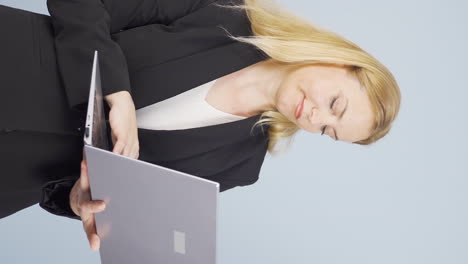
(243, 68)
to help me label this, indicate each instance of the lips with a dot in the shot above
(299, 108)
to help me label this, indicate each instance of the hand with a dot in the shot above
(83, 206)
(122, 119)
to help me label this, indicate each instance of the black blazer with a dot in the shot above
(156, 49)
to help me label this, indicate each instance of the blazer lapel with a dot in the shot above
(177, 76)
(170, 145)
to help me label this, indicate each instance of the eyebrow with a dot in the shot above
(339, 118)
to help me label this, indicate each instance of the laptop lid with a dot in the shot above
(153, 214)
(95, 126)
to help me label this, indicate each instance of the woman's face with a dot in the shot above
(333, 102)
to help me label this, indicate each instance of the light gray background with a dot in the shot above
(403, 200)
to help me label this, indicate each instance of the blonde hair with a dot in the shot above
(289, 39)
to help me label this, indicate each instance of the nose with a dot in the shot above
(319, 118)
(315, 117)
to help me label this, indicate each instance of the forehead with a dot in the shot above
(327, 79)
(322, 71)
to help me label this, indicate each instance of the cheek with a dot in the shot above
(288, 92)
(317, 94)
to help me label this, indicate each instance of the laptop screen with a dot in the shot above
(96, 129)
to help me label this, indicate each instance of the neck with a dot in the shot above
(257, 86)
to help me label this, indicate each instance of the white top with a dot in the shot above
(186, 110)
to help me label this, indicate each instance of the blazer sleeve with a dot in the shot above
(249, 169)
(82, 26)
(55, 197)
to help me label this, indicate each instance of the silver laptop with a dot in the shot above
(153, 214)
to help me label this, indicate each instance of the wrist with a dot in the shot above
(115, 98)
(72, 199)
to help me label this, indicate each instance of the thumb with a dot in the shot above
(84, 178)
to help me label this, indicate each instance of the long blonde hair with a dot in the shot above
(289, 39)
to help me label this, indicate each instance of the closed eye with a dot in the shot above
(332, 104)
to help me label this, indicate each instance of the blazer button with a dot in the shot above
(6, 130)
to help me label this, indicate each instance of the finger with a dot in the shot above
(89, 226)
(127, 151)
(129, 147)
(119, 147)
(135, 152)
(134, 155)
(93, 206)
(84, 179)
